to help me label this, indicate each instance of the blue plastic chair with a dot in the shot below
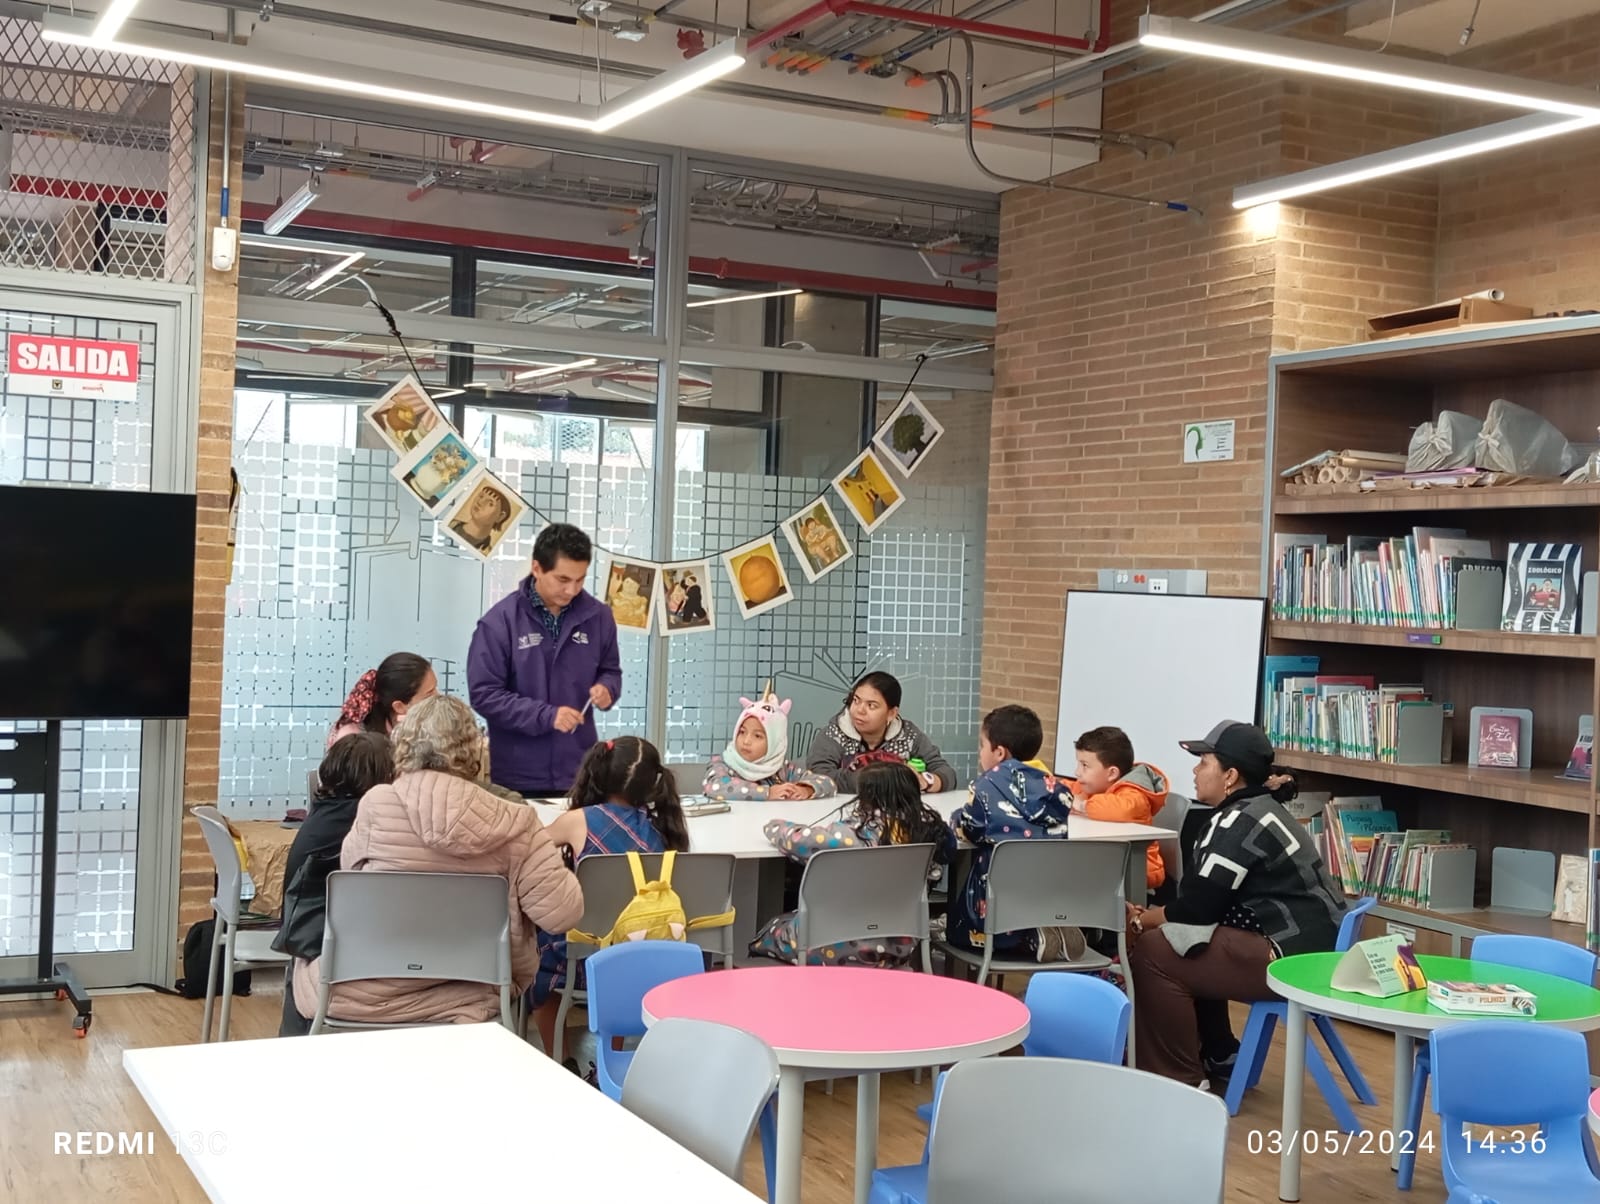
(1537, 953)
(1257, 1039)
(1512, 1074)
(1071, 1016)
(619, 979)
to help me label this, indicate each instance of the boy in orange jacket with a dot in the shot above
(1113, 786)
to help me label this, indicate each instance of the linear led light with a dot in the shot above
(1364, 66)
(1410, 158)
(335, 270)
(780, 292)
(111, 21)
(443, 393)
(402, 89)
(299, 201)
(536, 373)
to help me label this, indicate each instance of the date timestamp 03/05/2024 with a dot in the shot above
(1387, 1142)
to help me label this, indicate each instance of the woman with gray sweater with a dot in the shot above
(870, 727)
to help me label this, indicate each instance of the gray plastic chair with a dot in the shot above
(238, 948)
(859, 894)
(1072, 1115)
(703, 1085)
(452, 927)
(690, 776)
(702, 881)
(1172, 816)
(1054, 883)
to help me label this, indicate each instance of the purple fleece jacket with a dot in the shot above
(517, 677)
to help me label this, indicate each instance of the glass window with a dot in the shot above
(307, 267)
(949, 335)
(565, 297)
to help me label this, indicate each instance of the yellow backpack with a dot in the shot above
(655, 913)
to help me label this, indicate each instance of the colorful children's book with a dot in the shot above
(1498, 740)
(1482, 999)
(1383, 966)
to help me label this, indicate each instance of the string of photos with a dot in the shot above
(478, 510)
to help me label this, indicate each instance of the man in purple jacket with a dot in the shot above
(539, 658)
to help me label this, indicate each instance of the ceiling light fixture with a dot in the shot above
(536, 373)
(779, 292)
(288, 210)
(422, 93)
(1363, 66)
(335, 270)
(111, 21)
(443, 393)
(1418, 155)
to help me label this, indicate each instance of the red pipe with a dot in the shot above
(843, 8)
(76, 190)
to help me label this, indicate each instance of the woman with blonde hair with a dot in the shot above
(435, 818)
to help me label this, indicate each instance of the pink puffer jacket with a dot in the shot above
(430, 821)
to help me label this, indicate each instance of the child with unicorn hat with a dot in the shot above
(755, 766)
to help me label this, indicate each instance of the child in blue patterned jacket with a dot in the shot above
(888, 809)
(755, 766)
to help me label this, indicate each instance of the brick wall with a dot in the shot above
(214, 447)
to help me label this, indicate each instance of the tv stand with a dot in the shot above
(34, 764)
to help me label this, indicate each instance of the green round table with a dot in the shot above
(1303, 980)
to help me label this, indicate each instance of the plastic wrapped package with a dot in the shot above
(1516, 440)
(1450, 441)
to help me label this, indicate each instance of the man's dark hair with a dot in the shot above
(1110, 745)
(558, 540)
(1015, 729)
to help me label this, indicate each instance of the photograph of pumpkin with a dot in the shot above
(686, 597)
(630, 586)
(436, 469)
(759, 582)
(909, 434)
(405, 416)
(868, 491)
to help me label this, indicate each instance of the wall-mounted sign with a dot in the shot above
(45, 365)
(1206, 441)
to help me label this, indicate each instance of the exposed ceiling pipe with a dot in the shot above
(841, 8)
(984, 8)
(972, 151)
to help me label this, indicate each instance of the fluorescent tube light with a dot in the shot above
(1363, 66)
(407, 90)
(779, 292)
(669, 85)
(334, 270)
(442, 394)
(536, 373)
(299, 201)
(111, 21)
(1410, 158)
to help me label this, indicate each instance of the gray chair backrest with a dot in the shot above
(1048, 883)
(1171, 816)
(703, 881)
(859, 894)
(225, 856)
(455, 927)
(311, 788)
(690, 777)
(703, 1085)
(1070, 1114)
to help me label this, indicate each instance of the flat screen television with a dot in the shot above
(96, 603)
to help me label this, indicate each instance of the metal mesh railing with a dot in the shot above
(97, 154)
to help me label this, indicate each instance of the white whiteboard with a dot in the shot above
(1162, 667)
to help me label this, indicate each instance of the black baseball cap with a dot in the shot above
(1241, 745)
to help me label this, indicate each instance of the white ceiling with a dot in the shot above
(780, 128)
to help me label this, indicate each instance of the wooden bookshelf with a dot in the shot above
(1372, 396)
(1501, 643)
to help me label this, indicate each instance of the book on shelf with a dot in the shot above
(1403, 581)
(1482, 999)
(1580, 764)
(1353, 716)
(1572, 890)
(1497, 741)
(1541, 590)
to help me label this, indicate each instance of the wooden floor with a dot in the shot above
(50, 1082)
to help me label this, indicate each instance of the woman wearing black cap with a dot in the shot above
(1254, 889)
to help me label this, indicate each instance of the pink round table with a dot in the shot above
(851, 1022)
(1594, 1115)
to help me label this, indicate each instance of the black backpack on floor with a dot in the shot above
(197, 959)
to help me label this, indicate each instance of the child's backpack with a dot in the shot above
(655, 913)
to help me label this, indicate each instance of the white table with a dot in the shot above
(408, 1116)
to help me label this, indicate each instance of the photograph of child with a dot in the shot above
(1543, 594)
(759, 582)
(819, 545)
(630, 589)
(405, 416)
(436, 469)
(909, 435)
(487, 512)
(867, 490)
(686, 597)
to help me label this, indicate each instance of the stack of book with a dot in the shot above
(1406, 581)
(1367, 854)
(1356, 717)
